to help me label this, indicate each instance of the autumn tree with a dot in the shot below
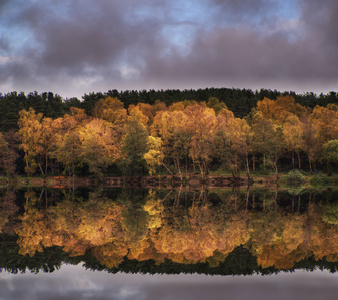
(325, 123)
(201, 123)
(135, 113)
(154, 157)
(147, 110)
(8, 156)
(134, 146)
(100, 146)
(309, 144)
(216, 105)
(177, 106)
(46, 142)
(68, 151)
(29, 133)
(232, 142)
(67, 138)
(278, 110)
(319, 128)
(331, 153)
(159, 106)
(110, 109)
(171, 127)
(241, 138)
(293, 135)
(267, 140)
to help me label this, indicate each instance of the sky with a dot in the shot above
(73, 47)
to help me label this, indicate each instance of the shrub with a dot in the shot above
(293, 178)
(319, 180)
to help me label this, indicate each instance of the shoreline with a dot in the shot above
(186, 182)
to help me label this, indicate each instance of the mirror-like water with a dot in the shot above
(74, 282)
(222, 232)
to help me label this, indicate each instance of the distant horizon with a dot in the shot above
(166, 89)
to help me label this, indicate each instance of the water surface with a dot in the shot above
(147, 244)
(74, 282)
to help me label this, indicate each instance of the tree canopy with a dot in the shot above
(175, 135)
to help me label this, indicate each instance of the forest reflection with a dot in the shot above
(238, 231)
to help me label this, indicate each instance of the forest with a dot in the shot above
(168, 132)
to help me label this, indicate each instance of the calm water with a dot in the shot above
(143, 244)
(74, 282)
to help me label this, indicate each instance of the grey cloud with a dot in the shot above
(243, 11)
(3, 44)
(87, 37)
(228, 53)
(247, 54)
(80, 46)
(244, 6)
(3, 4)
(322, 26)
(84, 43)
(85, 40)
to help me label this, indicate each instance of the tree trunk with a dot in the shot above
(310, 164)
(293, 160)
(201, 169)
(179, 169)
(299, 163)
(166, 167)
(247, 198)
(40, 167)
(26, 158)
(253, 200)
(27, 163)
(73, 171)
(46, 164)
(205, 167)
(247, 166)
(328, 167)
(264, 161)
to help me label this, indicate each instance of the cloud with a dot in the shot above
(87, 35)
(80, 46)
(322, 25)
(127, 292)
(253, 55)
(244, 7)
(79, 41)
(3, 4)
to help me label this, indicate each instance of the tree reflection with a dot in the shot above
(198, 228)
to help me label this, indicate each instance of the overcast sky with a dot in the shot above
(80, 46)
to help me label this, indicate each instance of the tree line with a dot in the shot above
(105, 136)
(239, 101)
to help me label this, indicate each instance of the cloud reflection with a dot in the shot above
(73, 282)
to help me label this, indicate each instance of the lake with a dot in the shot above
(159, 244)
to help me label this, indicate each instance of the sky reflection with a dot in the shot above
(74, 282)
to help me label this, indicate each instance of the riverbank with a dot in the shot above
(187, 182)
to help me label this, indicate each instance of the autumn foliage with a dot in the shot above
(199, 232)
(184, 137)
